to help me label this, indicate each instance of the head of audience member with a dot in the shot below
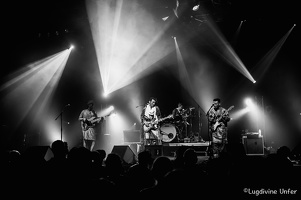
(145, 158)
(161, 166)
(102, 153)
(114, 165)
(59, 149)
(190, 157)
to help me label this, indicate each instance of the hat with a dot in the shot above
(90, 102)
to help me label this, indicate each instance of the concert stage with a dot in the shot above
(132, 138)
(169, 149)
(129, 150)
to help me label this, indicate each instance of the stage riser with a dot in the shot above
(170, 151)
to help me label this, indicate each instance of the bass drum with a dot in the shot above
(168, 132)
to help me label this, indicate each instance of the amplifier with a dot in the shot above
(253, 146)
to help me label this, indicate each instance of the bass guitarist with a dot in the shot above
(89, 119)
(218, 118)
(150, 118)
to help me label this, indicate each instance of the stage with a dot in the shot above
(129, 150)
(169, 149)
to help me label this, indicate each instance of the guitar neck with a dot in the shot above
(219, 118)
(164, 118)
(156, 121)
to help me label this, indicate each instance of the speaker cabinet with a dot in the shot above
(126, 153)
(155, 150)
(39, 152)
(253, 146)
(170, 151)
(134, 147)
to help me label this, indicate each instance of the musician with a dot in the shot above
(178, 116)
(88, 119)
(218, 118)
(150, 117)
(178, 112)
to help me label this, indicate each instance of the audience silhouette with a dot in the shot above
(140, 173)
(69, 173)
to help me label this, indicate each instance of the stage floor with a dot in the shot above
(205, 144)
(170, 149)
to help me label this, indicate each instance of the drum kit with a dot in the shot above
(176, 129)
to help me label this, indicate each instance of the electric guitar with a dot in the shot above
(93, 121)
(217, 122)
(152, 124)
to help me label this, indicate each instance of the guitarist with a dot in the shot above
(150, 117)
(88, 119)
(218, 118)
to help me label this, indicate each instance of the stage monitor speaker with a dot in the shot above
(39, 152)
(126, 153)
(253, 146)
(134, 147)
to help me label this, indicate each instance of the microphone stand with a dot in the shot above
(61, 115)
(209, 133)
(200, 123)
(209, 110)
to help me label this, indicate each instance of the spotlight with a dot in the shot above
(165, 18)
(249, 102)
(71, 47)
(254, 81)
(196, 7)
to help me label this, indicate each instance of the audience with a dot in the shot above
(140, 173)
(98, 167)
(160, 167)
(93, 174)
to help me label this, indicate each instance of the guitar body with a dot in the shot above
(93, 121)
(218, 123)
(150, 125)
(153, 124)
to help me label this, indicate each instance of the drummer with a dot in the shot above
(178, 114)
